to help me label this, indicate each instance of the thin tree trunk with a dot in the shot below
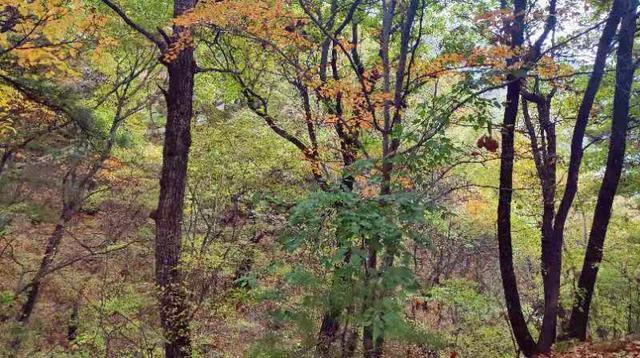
(4, 160)
(330, 325)
(349, 338)
(72, 329)
(584, 111)
(615, 159)
(505, 249)
(544, 154)
(551, 262)
(174, 316)
(509, 281)
(371, 345)
(33, 289)
(582, 119)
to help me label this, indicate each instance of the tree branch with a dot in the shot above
(161, 45)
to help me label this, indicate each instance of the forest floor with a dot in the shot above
(625, 348)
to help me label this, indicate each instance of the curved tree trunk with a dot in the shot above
(615, 159)
(505, 249)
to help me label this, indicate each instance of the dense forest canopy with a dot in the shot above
(319, 178)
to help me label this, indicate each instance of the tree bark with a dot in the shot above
(615, 159)
(505, 249)
(543, 148)
(551, 247)
(174, 316)
(582, 119)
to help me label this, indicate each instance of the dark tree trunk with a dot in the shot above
(328, 331)
(582, 118)
(174, 315)
(72, 329)
(615, 159)
(349, 338)
(509, 281)
(551, 247)
(505, 249)
(4, 160)
(33, 289)
(543, 148)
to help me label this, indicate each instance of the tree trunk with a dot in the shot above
(72, 328)
(584, 111)
(372, 346)
(4, 160)
(349, 338)
(328, 331)
(582, 119)
(509, 282)
(331, 318)
(615, 159)
(505, 249)
(33, 289)
(551, 255)
(174, 315)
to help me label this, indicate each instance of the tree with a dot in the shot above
(509, 283)
(545, 159)
(177, 54)
(625, 69)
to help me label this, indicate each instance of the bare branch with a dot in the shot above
(161, 45)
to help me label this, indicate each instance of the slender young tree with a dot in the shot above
(392, 116)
